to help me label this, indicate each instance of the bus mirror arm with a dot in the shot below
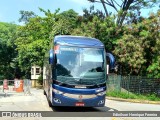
(51, 56)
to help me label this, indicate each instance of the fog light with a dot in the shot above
(101, 102)
(57, 100)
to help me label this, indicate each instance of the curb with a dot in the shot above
(134, 100)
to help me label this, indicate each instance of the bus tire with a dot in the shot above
(44, 92)
(49, 103)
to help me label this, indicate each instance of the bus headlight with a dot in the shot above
(102, 93)
(57, 91)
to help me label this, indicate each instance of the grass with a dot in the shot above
(129, 95)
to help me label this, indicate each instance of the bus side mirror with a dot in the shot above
(51, 56)
(111, 60)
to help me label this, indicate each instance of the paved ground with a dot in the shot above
(21, 102)
(38, 102)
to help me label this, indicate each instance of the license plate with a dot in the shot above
(79, 104)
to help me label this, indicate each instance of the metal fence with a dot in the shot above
(134, 84)
(9, 87)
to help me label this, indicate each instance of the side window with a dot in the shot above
(38, 71)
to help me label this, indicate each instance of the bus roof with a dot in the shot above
(77, 40)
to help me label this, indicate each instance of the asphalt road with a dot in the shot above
(36, 101)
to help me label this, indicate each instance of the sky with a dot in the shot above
(9, 9)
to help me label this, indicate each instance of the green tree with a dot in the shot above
(125, 8)
(103, 29)
(26, 15)
(35, 36)
(65, 23)
(89, 14)
(137, 50)
(7, 50)
(135, 44)
(32, 42)
(153, 51)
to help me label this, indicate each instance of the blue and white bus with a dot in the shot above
(74, 72)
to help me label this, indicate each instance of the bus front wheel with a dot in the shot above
(44, 92)
(49, 103)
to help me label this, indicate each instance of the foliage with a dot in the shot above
(154, 36)
(7, 50)
(135, 44)
(32, 41)
(65, 23)
(40, 80)
(26, 15)
(34, 37)
(125, 95)
(125, 8)
(130, 52)
(88, 15)
(105, 30)
(138, 47)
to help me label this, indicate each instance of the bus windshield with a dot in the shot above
(80, 65)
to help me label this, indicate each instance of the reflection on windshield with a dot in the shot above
(80, 64)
